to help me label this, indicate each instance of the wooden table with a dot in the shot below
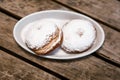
(18, 64)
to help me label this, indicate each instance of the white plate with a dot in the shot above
(62, 15)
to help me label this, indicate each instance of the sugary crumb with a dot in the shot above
(39, 34)
(78, 35)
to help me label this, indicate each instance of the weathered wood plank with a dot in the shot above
(107, 11)
(12, 68)
(25, 7)
(111, 49)
(85, 69)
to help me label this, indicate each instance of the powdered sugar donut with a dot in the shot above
(78, 35)
(43, 37)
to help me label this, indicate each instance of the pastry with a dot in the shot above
(43, 37)
(78, 36)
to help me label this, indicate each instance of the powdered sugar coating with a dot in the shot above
(39, 34)
(78, 35)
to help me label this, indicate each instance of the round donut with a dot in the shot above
(78, 36)
(43, 37)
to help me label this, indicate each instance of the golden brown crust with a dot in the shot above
(49, 46)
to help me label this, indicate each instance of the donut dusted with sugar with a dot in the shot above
(79, 36)
(43, 37)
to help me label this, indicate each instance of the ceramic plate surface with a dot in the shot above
(63, 16)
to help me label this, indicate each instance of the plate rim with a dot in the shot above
(80, 55)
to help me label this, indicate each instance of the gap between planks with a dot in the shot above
(118, 0)
(87, 15)
(106, 60)
(96, 55)
(19, 17)
(12, 68)
(47, 70)
(33, 63)
(10, 14)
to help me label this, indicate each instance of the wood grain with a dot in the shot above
(111, 47)
(110, 50)
(25, 7)
(80, 69)
(12, 68)
(107, 11)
